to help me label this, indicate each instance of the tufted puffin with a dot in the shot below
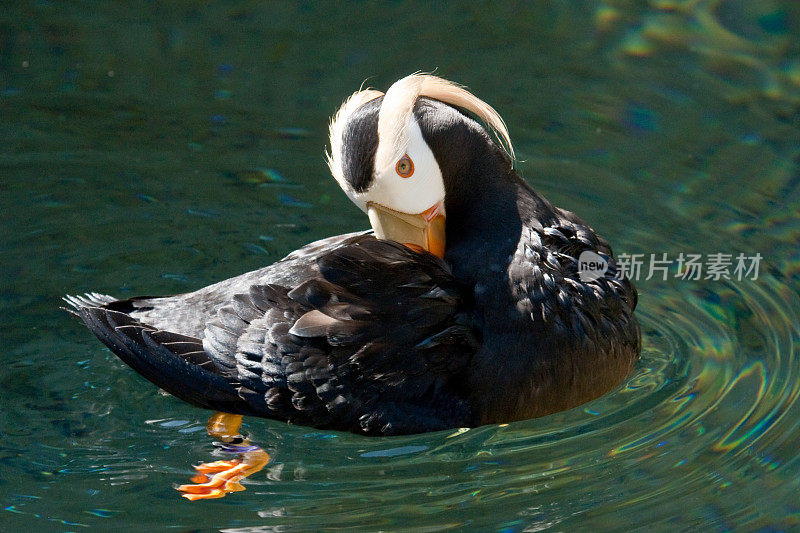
(464, 305)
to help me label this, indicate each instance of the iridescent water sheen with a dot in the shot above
(158, 148)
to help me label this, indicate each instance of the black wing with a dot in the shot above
(176, 363)
(373, 339)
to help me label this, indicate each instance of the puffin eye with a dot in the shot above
(404, 167)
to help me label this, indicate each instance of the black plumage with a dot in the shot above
(365, 335)
(374, 339)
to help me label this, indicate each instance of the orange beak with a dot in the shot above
(424, 230)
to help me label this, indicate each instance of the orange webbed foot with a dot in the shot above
(210, 468)
(216, 479)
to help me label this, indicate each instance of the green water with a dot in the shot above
(147, 149)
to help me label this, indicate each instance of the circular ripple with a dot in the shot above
(710, 409)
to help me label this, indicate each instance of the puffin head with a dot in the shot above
(398, 155)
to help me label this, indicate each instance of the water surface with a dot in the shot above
(150, 150)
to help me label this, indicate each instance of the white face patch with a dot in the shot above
(412, 195)
(400, 135)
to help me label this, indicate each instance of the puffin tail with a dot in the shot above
(176, 363)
